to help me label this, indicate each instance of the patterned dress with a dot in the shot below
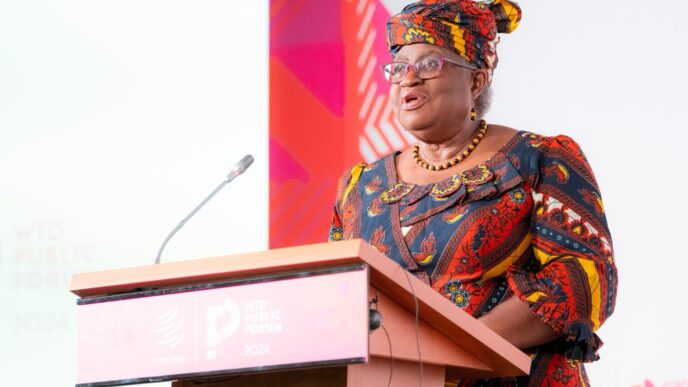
(529, 223)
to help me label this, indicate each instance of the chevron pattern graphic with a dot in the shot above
(380, 131)
(329, 108)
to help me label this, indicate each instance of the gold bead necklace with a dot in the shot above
(439, 167)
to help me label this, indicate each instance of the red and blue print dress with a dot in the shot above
(528, 223)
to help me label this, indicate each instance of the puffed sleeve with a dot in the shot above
(574, 288)
(336, 230)
(346, 184)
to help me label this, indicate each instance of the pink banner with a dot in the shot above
(329, 108)
(281, 323)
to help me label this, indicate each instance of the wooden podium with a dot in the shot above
(442, 340)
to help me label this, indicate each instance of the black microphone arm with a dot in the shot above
(238, 169)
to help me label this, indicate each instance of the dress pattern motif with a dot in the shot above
(528, 223)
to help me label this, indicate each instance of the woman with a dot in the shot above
(508, 225)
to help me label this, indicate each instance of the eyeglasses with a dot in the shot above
(425, 68)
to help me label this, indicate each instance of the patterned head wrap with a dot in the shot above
(466, 27)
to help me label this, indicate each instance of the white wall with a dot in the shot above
(613, 76)
(116, 119)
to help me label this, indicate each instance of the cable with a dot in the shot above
(391, 357)
(420, 357)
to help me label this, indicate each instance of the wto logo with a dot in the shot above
(222, 322)
(171, 331)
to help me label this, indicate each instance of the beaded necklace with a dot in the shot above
(439, 167)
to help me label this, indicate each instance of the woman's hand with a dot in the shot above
(515, 322)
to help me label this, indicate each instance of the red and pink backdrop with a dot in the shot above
(328, 108)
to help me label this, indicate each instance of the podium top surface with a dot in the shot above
(385, 275)
(221, 268)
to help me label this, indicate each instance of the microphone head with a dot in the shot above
(240, 167)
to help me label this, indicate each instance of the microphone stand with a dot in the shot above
(238, 169)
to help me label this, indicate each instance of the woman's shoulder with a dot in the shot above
(365, 175)
(364, 171)
(538, 156)
(560, 146)
(378, 166)
(523, 141)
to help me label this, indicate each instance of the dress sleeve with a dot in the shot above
(336, 230)
(346, 183)
(573, 287)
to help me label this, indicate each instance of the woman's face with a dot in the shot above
(433, 110)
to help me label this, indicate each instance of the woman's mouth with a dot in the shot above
(412, 101)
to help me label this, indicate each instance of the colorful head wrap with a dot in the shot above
(466, 27)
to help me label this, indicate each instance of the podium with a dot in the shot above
(297, 316)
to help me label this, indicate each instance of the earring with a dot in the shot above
(474, 114)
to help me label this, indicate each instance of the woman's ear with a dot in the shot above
(479, 83)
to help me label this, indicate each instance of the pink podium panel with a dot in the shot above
(274, 323)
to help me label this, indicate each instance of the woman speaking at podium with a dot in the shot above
(506, 224)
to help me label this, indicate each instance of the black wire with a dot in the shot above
(420, 357)
(391, 358)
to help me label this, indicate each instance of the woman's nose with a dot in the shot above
(411, 78)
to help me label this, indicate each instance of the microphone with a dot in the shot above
(237, 170)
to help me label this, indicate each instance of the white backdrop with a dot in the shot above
(117, 117)
(612, 75)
